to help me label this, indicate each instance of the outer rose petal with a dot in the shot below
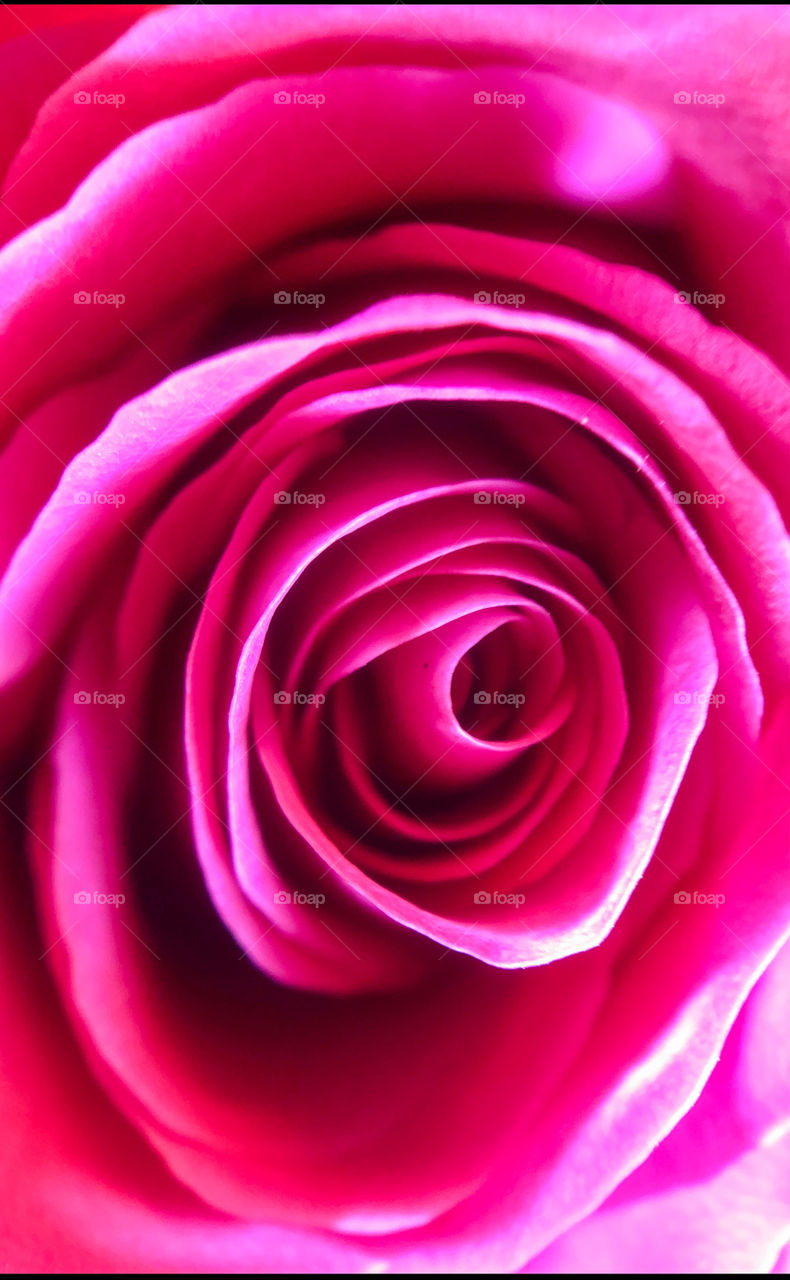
(715, 1195)
(782, 1264)
(734, 177)
(35, 59)
(30, 19)
(732, 1221)
(72, 1170)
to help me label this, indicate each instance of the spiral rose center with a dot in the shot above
(505, 685)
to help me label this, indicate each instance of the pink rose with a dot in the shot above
(394, 639)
